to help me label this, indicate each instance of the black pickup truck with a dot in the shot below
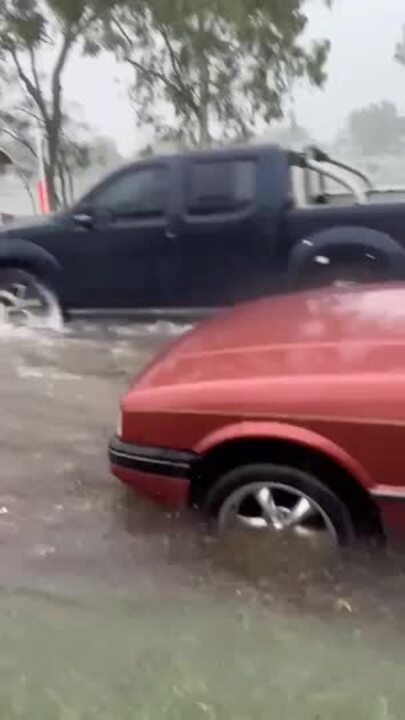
(184, 234)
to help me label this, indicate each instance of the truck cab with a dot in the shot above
(182, 235)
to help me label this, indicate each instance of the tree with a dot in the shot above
(80, 150)
(292, 136)
(18, 143)
(31, 30)
(377, 129)
(215, 68)
(16, 135)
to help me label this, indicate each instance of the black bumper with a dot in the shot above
(159, 461)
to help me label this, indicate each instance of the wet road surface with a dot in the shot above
(110, 608)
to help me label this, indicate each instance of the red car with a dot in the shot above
(285, 414)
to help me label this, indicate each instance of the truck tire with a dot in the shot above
(26, 300)
(343, 256)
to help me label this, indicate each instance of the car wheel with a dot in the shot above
(280, 499)
(26, 300)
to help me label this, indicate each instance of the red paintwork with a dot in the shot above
(171, 492)
(324, 369)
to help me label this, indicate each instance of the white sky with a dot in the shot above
(361, 70)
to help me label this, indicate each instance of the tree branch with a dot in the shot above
(156, 73)
(176, 67)
(56, 92)
(34, 69)
(149, 71)
(122, 30)
(29, 85)
(68, 40)
(40, 98)
(18, 139)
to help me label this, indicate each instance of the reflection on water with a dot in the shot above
(101, 329)
(82, 349)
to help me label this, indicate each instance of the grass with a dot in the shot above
(125, 659)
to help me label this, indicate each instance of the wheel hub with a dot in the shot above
(277, 508)
(16, 304)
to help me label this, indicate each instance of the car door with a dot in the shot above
(117, 256)
(223, 247)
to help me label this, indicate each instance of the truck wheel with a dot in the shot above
(28, 301)
(342, 268)
(345, 255)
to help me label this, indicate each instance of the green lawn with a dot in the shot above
(114, 658)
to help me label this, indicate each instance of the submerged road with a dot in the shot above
(111, 609)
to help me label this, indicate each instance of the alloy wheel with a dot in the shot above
(24, 301)
(276, 507)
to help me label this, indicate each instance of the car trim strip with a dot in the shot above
(383, 492)
(174, 463)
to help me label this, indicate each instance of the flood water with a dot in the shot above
(111, 608)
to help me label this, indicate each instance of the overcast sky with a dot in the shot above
(361, 70)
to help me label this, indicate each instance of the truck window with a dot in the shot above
(307, 189)
(220, 186)
(139, 192)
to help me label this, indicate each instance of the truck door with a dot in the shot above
(121, 259)
(225, 234)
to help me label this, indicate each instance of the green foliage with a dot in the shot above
(216, 68)
(377, 129)
(27, 25)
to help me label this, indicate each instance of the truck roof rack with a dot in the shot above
(313, 152)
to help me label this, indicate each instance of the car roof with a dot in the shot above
(214, 152)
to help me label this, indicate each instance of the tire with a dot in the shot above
(25, 300)
(337, 268)
(345, 255)
(300, 485)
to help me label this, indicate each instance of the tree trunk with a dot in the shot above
(71, 185)
(204, 86)
(52, 191)
(203, 119)
(52, 164)
(62, 183)
(51, 177)
(54, 122)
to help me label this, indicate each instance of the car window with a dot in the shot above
(221, 186)
(139, 192)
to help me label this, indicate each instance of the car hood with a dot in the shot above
(340, 331)
(17, 227)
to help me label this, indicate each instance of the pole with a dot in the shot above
(42, 187)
